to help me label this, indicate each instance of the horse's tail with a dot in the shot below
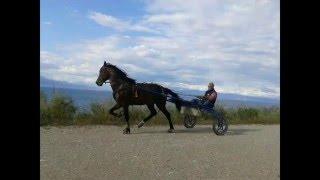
(175, 99)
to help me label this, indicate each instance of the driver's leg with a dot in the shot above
(208, 107)
(195, 102)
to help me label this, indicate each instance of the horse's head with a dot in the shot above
(104, 75)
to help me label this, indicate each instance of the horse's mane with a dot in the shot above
(123, 75)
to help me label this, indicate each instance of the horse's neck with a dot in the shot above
(116, 83)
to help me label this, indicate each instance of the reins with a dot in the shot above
(161, 94)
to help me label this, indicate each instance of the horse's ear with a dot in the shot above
(105, 63)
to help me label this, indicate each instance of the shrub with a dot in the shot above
(44, 110)
(62, 110)
(247, 113)
(98, 113)
(43, 100)
(83, 118)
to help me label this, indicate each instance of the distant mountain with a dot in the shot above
(226, 99)
(45, 82)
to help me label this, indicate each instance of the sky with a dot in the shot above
(177, 43)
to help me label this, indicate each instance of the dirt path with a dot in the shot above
(103, 152)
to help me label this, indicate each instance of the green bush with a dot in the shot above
(83, 118)
(44, 110)
(43, 100)
(99, 113)
(60, 110)
(247, 113)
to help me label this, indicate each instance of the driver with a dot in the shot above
(208, 100)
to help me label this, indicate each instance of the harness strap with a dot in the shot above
(162, 91)
(135, 90)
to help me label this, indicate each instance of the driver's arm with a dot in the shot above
(201, 97)
(204, 97)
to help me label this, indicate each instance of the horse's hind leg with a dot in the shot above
(163, 109)
(153, 112)
(126, 116)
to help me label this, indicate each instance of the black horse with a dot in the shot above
(127, 92)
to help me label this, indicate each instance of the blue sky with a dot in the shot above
(179, 44)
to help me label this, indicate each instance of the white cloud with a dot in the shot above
(167, 18)
(233, 43)
(108, 21)
(115, 23)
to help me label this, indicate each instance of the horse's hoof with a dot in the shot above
(171, 131)
(126, 131)
(140, 124)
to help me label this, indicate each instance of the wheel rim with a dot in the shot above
(220, 126)
(190, 120)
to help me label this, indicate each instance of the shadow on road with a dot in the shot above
(199, 130)
(162, 131)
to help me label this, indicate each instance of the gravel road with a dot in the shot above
(103, 152)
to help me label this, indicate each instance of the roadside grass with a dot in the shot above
(61, 111)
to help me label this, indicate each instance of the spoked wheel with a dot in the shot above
(189, 121)
(220, 126)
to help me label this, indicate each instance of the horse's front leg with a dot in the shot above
(115, 107)
(126, 116)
